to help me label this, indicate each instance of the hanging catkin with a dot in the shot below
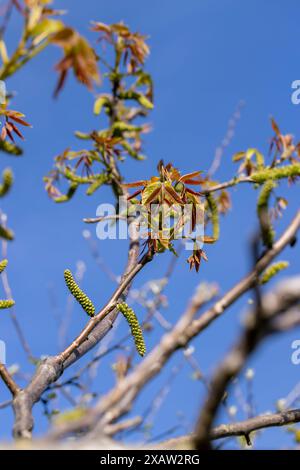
(267, 231)
(7, 181)
(6, 233)
(214, 215)
(3, 265)
(135, 328)
(272, 270)
(79, 295)
(6, 303)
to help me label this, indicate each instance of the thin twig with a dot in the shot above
(8, 380)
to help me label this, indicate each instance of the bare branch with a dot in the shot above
(241, 428)
(244, 428)
(285, 296)
(8, 380)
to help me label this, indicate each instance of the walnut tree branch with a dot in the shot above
(257, 327)
(52, 367)
(8, 380)
(120, 400)
(240, 428)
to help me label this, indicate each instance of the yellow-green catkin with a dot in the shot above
(135, 327)
(272, 270)
(6, 303)
(267, 231)
(6, 233)
(7, 181)
(3, 265)
(76, 178)
(213, 207)
(70, 193)
(99, 181)
(9, 147)
(79, 295)
(286, 171)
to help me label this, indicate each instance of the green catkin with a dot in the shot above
(267, 231)
(77, 179)
(135, 328)
(70, 193)
(6, 233)
(9, 302)
(101, 179)
(272, 270)
(8, 147)
(7, 178)
(93, 187)
(133, 153)
(3, 265)
(6, 303)
(276, 173)
(79, 295)
(212, 205)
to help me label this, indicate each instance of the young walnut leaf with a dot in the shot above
(12, 118)
(78, 56)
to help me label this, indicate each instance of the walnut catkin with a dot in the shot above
(3, 265)
(79, 295)
(272, 270)
(6, 303)
(135, 327)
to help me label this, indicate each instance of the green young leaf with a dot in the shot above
(45, 28)
(150, 192)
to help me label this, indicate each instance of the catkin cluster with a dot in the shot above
(79, 295)
(135, 328)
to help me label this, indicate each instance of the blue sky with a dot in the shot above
(206, 56)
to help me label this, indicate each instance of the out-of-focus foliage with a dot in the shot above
(129, 101)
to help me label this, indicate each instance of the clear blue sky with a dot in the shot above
(206, 55)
